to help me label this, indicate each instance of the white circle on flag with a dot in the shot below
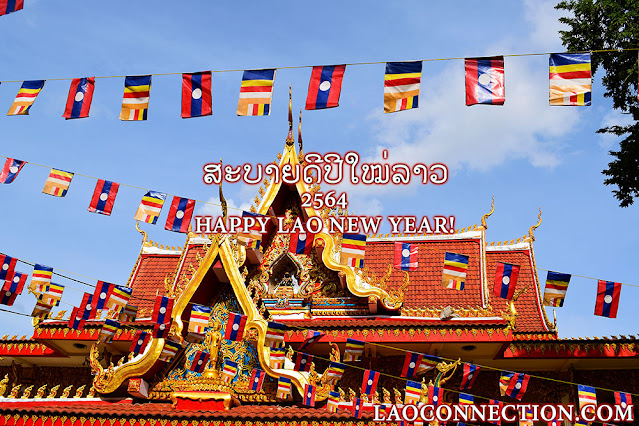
(104, 196)
(13, 169)
(162, 327)
(197, 93)
(325, 85)
(5, 266)
(608, 298)
(517, 385)
(103, 295)
(302, 237)
(411, 365)
(484, 79)
(79, 96)
(434, 398)
(505, 280)
(179, 214)
(8, 293)
(357, 407)
(309, 394)
(199, 362)
(370, 382)
(236, 327)
(303, 361)
(140, 342)
(623, 404)
(405, 252)
(16, 279)
(88, 307)
(162, 310)
(257, 379)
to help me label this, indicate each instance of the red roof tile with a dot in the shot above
(148, 278)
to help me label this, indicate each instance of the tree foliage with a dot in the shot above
(612, 24)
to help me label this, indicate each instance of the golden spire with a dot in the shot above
(299, 134)
(222, 199)
(289, 139)
(531, 231)
(484, 217)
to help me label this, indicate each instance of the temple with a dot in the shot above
(66, 377)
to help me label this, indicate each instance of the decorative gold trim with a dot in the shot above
(226, 398)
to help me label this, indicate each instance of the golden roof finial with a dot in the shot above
(222, 199)
(144, 235)
(299, 134)
(531, 234)
(484, 217)
(289, 139)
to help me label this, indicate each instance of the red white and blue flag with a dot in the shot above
(180, 215)
(623, 399)
(485, 81)
(9, 6)
(500, 404)
(435, 395)
(161, 331)
(513, 384)
(102, 294)
(470, 375)
(257, 380)
(405, 256)
(103, 197)
(303, 361)
(411, 363)
(505, 280)
(10, 170)
(196, 94)
(85, 310)
(7, 266)
(12, 288)
(309, 395)
(235, 327)
(369, 382)
(80, 97)
(357, 408)
(312, 337)
(608, 293)
(162, 310)
(301, 243)
(199, 362)
(325, 86)
(75, 320)
(141, 339)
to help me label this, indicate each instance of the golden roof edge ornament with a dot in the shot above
(290, 140)
(531, 231)
(487, 215)
(145, 237)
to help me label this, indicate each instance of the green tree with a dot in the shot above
(612, 24)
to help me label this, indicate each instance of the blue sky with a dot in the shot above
(526, 153)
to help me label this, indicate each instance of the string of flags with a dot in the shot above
(570, 84)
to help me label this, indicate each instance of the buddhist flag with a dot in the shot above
(334, 372)
(41, 309)
(513, 384)
(150, 207)
(257, 380)
(26, 96)
(120, 296)
(401, 85)
(587, 396)
(128, 313)
(505, 280)
(196, 94)
(556, 288)
(140, 341)
(80, 97)
(309, 395)
(12, 288)
(162, 310)
(623, 399)
(52, 294)
(169, 350)
(405, 256)
(57, 184)
(135, 102)
(325, 86)
(354, 350)
(608, 293)
(455, 266)
(256, 92)
(10, 170)
(102, 294)
(180, 215)
(277, 358)
(469, 376)
(253, 232)
(412, 392)
(275, 334)
(235, 327)
(369, 382)
(9, 6)
(411, 362)
(570, 79)
(435, 395)
(353, 250)
(485, 81)
(283, 388)
(229, 370)
(466, 399)
(333, 401)
(312, 337)
(303, 361)
(108, 331)
(103, 197)
(7, 266)
(301, 243)
(41, 277)
(75, 320)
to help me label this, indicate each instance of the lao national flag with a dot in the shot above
(513, 384)
(10, 170)
(485, 81)
(257, 380)
(411, 363)
(80, 97)
(357, 408)
(309, 395)
(180, 215)
(8, 6)
(199, 362)
(608, 293)
(369, 383)
(196, 94)
(141, 339)
(161, 331)
(470, 374)
(301, 243)
(7, 266)
(102, 294)
(325, 86)
(435, 395)
(75, 320)
(505, 280)
(405, 256)
(623, 399)
(312, 337)
(162, 310)
(103, 197)
(235, 327)
(12, 288)
(303, 362)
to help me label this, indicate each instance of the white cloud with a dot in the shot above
(613, 118)
(545, 21)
